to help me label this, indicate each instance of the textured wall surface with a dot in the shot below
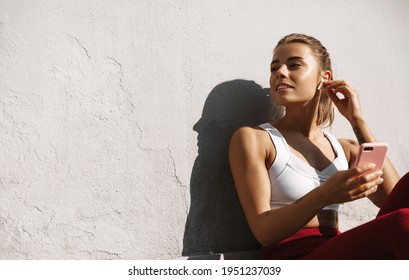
(115, 116)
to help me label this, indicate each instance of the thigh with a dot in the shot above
(398, 198)
(386, 237)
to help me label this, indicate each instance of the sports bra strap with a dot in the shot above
(338, 147)
(282, 151)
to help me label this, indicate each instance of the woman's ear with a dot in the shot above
(326, 76)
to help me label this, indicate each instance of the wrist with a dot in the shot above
(362, 132)
(357, 121)
(322, 196)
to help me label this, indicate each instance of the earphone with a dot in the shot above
(320, 85)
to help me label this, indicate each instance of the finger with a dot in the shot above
(369, 176)
(356, 170)
(330, 85)
(346, 91)
(361, 183)
(361, 174)
(335, 83)
(338, 86)
(333, 96)
(365, 190)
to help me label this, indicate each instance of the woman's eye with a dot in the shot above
(294, 66)
(291, 66)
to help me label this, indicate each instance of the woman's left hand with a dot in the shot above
(349, 106)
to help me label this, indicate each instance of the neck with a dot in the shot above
(302, 119)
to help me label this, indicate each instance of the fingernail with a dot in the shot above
(372, 165)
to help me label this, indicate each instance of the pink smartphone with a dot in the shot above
(372, 153)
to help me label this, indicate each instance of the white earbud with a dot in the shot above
(320, 85)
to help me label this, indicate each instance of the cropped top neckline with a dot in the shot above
(307, 165)
(292, 177)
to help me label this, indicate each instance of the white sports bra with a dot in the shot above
(291, 177)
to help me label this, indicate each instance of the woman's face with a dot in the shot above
(294, 75)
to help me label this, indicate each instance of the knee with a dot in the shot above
(401, 218)
(402, 213)
(404, 179)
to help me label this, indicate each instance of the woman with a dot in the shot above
(291, 176)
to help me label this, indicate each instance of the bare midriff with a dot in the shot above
(324, 218)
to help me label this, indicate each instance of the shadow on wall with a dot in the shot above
(216, 222)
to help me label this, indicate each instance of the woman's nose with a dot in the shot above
(282, 71)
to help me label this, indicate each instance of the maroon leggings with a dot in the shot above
(385, 237)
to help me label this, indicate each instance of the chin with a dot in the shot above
(282, 101)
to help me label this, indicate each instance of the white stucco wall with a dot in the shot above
(115, 116)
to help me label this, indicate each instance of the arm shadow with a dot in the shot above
(216, 222)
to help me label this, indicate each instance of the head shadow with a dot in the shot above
(216, 222)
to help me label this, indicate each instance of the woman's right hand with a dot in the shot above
(352, 184)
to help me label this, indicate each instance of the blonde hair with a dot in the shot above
(325, 106)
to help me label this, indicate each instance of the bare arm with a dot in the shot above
(247, 161)
(351, 110)
(247, 156)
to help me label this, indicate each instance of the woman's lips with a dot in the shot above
(283, 87)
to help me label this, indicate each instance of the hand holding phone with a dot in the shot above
(372, 153)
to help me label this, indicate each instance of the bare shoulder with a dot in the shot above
(248, 134)
(248, 139)
(350, 148)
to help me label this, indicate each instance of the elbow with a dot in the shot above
(265, 230)
(264, 238)
(264, 242)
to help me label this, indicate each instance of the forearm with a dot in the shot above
(362, 132)
(274, 225)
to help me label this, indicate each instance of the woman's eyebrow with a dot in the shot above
(289, 59)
